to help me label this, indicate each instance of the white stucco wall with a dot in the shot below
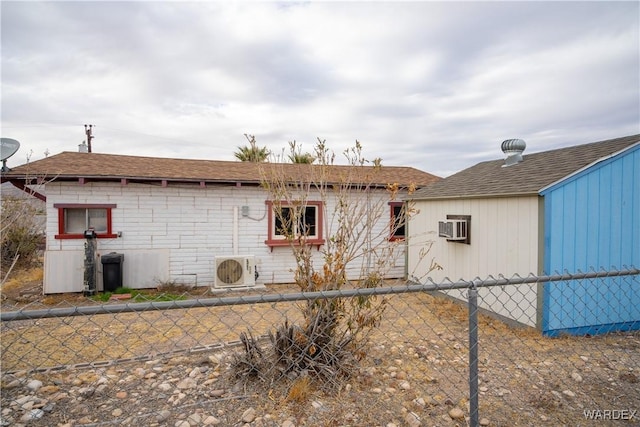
(505, 240)
(174, 233)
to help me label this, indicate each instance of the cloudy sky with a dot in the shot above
(433, 85)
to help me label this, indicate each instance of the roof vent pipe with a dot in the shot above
(83, 148)
(512, 149)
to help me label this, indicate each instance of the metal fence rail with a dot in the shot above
(545, 350)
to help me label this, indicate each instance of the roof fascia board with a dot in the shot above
(84, 179)
(29, 191)
(544, 190)
(474, 196)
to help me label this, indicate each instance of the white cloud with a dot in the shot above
(434, 85)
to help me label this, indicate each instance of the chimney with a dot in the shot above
(512, 149)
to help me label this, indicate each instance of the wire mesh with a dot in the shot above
(551, 350)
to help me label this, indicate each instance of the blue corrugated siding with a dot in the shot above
(592, 221)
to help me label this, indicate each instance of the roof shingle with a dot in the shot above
(536, 171)
(98, 166)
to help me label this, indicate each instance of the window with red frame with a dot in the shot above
(398, 221)
(74, 219)
(296, 222)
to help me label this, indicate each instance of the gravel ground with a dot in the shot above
(415, 373)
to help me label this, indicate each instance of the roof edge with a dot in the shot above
(476, 196)
(590, 165)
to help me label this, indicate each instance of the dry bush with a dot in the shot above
(21, 238)
(356, 222)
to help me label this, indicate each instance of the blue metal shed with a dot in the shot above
(592, 220)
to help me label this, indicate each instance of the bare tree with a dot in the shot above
(356, 253)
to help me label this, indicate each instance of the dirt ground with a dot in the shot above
(416, 364)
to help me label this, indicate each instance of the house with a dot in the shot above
(574, 209)
(173, 220)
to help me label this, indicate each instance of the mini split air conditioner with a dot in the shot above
(453, 229)
(235, 271)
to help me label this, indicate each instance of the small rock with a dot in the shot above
(34, 414)
(576, 377)
(165, 387)
(116, 412)
(211, 421)
(456, 413)
(404, 385)
(376, 390)
(163, 415)
(121, 395)
(195, 419)
(187, 383)
(288, 423)
(569, 393)
(217, 393)
(412, 419)
(34, 385)
(249, 415)
(484, 422)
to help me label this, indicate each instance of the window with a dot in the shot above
(398, 221)
(297, 223)
(74, 219)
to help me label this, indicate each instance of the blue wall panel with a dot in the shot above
(592, 222)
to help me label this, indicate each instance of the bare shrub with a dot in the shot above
(21, 237)
(356, 252)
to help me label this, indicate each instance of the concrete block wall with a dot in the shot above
(190, 224)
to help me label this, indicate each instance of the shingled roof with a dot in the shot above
(112, 167)
(536, 171)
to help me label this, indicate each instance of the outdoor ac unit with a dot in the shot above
(453, 229)
(235, 271)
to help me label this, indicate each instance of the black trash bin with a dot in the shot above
(112, 271)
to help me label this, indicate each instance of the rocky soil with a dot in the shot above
(415, 373)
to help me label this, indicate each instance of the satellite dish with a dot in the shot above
(8, 148)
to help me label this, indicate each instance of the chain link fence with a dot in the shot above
(535, 350)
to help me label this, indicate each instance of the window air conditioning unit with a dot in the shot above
(453, 229)
(235, 271)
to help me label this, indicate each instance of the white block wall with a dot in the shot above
(174, 233)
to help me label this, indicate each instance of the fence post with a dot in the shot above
(473, 355)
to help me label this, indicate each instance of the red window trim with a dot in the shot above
(392, 237)
(271, 242)
(62, 206)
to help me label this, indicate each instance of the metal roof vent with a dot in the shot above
(513, 148)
